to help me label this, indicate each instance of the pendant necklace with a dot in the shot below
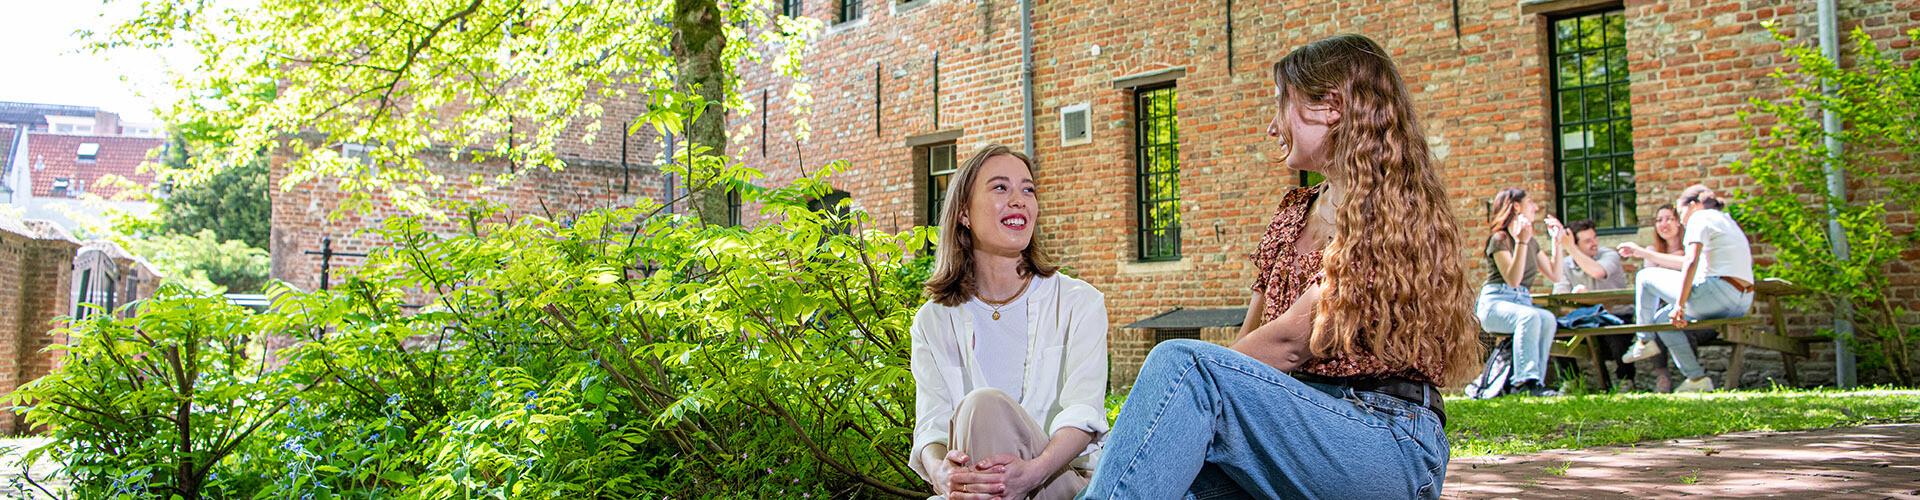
(997, 304)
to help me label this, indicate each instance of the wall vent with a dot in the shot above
(1074, 125)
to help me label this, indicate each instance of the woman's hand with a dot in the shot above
(1631, 250)
(1679, 316)
(942, 471)
(1521, 228)
(1021, 477)
(1554, 229)
(980, 482)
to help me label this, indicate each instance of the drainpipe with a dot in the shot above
(1026, 75)
(1843, 360)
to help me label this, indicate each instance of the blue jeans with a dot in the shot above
(1655, 291)
(1204, 421)
(1508, 309)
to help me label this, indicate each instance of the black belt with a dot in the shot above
(1418, 393)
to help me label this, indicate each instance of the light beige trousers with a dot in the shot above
(988, 422)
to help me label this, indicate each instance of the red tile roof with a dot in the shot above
(120, 156)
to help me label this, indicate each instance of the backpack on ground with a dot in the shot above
(1492, 382)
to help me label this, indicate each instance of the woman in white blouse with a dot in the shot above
(1009, 356)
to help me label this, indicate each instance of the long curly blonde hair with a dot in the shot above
(1396, 285)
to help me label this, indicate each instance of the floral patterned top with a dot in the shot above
(1284, 274)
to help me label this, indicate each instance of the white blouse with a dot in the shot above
(1066, 365)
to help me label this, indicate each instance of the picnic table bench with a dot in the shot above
(1737, 332)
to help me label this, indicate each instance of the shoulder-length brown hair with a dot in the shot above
(952, 282)
(1396, 286)
(1504, 210)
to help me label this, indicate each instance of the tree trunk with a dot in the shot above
(698, 44)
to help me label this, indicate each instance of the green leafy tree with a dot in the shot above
(155, 405)
(232, 202)
(458, 80)
(613, 354)
(203, 262)
(1878, 99)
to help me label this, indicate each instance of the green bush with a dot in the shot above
(610, 354)
(1878, 100)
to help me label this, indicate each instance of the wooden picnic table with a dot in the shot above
(1735, 331)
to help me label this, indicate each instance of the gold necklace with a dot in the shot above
(997, 304)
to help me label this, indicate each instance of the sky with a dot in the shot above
(45, 61)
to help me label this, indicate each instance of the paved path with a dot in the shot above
(1869, 462)
(11, 449)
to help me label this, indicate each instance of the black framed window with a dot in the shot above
(830, 206)
(939, 168)
(849, 11)
(1593, 139)
(733, 207)
(790, 8)
(1157, 186)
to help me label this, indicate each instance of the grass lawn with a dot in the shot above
(1526, 425)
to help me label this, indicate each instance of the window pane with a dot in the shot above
(1593, 69)
(1602, 173)
(1569, 107)
(1616, 28)
(1622, 100)
(1603, 211)
(1623, 136)
(1591, 33)
(1596, 103)
(1573, 142)
(1566, 34)
(1569, 70)
(1576, 175)
(1602, 134)
(1623, 173)
(1628, 217)
(1576, 208)
(1617, 64)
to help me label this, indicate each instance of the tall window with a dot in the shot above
(1593, 149)
(790, 8)
(1157, 154)
(849, 11)
(939, 169)
(733, 207)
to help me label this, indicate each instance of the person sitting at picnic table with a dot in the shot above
(1666, 240)
(1506, 306)
(1590, 267)
(1716, 282)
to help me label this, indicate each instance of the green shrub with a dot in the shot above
(610, 354)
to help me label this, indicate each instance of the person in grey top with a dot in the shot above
(1590, 267)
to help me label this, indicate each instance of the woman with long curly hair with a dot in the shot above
(1361, 312)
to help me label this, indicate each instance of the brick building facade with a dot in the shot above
(36, 258)
(1607, 109)
(612, 171)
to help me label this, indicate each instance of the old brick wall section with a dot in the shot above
(35, 263)
(606, 172)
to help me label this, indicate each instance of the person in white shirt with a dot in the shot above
(1009, 356)
(1717, 282)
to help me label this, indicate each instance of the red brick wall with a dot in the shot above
(1483, 97)
(35, 267)
(594, 177)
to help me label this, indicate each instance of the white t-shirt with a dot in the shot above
(1726, 251)
(1001, 344)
